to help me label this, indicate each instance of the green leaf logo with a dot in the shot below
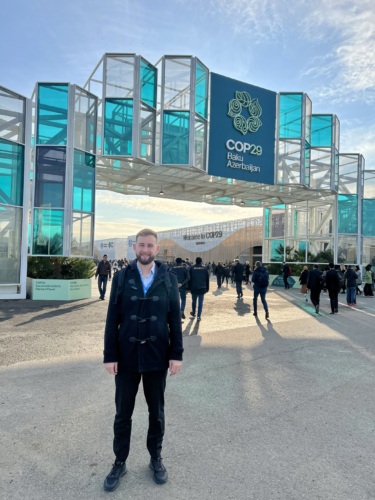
(243, 101)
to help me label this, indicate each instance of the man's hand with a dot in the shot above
(111, 368)
(174, 366)
(179, 285)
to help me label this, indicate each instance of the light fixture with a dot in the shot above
(242, 203)
(161, 191)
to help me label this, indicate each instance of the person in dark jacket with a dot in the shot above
(199, 285)
(104, 272)
(314, 284)
(220, 274)
(238, 270)
(247, 272)
(183, 276)
(286, 273)
(303, 279)
(143, 338)
(260, 279)
(351, 285)
(332, 282)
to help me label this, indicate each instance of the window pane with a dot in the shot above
(148, 83)
(368, 220)
(11, 173)
(85, 121)
(147, 133)
(10, 244)
(52, 114)
(200, 138)
(290, 116)
(175, 149)
(50, 177)
(369, 184)
(201, 81)
(321, 131)
(12, 116)
(347, 249)
(118, 127)
(82, 235)
(48, 232)
(347, 214)
(83, 181)
(177, 83)
(120, 76)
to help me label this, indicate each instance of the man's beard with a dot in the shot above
(145, 260)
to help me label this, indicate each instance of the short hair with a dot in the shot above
(105, 255)
(331, 265)
(198, 260)
(178, 260)
(258, 263)
(236, 260)
(316, 266)
(146, 232)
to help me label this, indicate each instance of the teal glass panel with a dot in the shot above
(48, 232)
(290, 116)
(175, 149)
(11, 173)
(200, 140)
(147, 139)
(308, 111)
(118, 127)
(148, 83)
(85, 121)
(276, 246)
(12, 116)
(368, 218)
(83, 181)
(201, 84)
(347, 213)
(52, 114)
(82, 236)
(10, 244)
(267, 219)
(307, 159)
(50, 168)
(321, 131)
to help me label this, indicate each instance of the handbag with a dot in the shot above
(303, 288)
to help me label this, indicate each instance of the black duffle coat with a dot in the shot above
(143, 332)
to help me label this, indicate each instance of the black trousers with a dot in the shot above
(126, 391)
(334, 299)
(315, 296)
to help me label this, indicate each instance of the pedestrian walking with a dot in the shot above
(369, 279)
(332, 282)
(260, 278)
(183, 277)
(351, 285)
(104, 274)
(238, 270)
(199, 285)
(314, 284)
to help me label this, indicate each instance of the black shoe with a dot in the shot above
(332, 312)
(336, 310)
(199, 318)
(255, 314)
(192, 315)
(113, 479)
(317, 309)
(182, 315)
(267, 315)
(160, 472)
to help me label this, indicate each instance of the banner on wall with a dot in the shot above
(242, 131)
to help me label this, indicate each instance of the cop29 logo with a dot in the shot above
(251, 121)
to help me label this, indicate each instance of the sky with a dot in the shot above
(325, 48)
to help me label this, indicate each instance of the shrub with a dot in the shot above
(60, 268)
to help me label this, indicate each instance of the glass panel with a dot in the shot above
(347, 249)
(201, 83)
(85, 121)
(307, 163)
(348, 174)
(290, 116)
(10, 244)
(368, 256)
(308, 119)
(12, 116)
(369, 184)
(200, 140)
(177, 83)
(347, 214)
(11, 173)
(321, 168)
(321, 131)
(148, 83)
(48, 232)
(368, 217)
(147, 133)
(82, 234)
(277, 250)
(83, 181)
(50, 177)
(118, 127)
(120, 76)
(289, 167)
(52, 114)
(267, 218)
(175, 148)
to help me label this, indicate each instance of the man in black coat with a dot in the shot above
(220, 273)
(199, 285)
(286, 273)
(333, 286)
(238, 269)
(104, 272)
(143, 338)
(183, 276)
(314, 284)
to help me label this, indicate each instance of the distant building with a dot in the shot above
(115, 248)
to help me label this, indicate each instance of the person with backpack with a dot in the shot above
(260, 278)
(142, 341)
(199, 285)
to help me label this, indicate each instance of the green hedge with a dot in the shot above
(60, 268)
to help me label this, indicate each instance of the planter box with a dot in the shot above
(278, 280)
(58, 289)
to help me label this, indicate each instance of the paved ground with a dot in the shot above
(263, 410)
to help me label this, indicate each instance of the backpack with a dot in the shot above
(262, 280)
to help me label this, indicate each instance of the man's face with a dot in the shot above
(146, 249)
(105, 257)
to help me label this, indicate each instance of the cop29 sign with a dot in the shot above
(242, 131)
